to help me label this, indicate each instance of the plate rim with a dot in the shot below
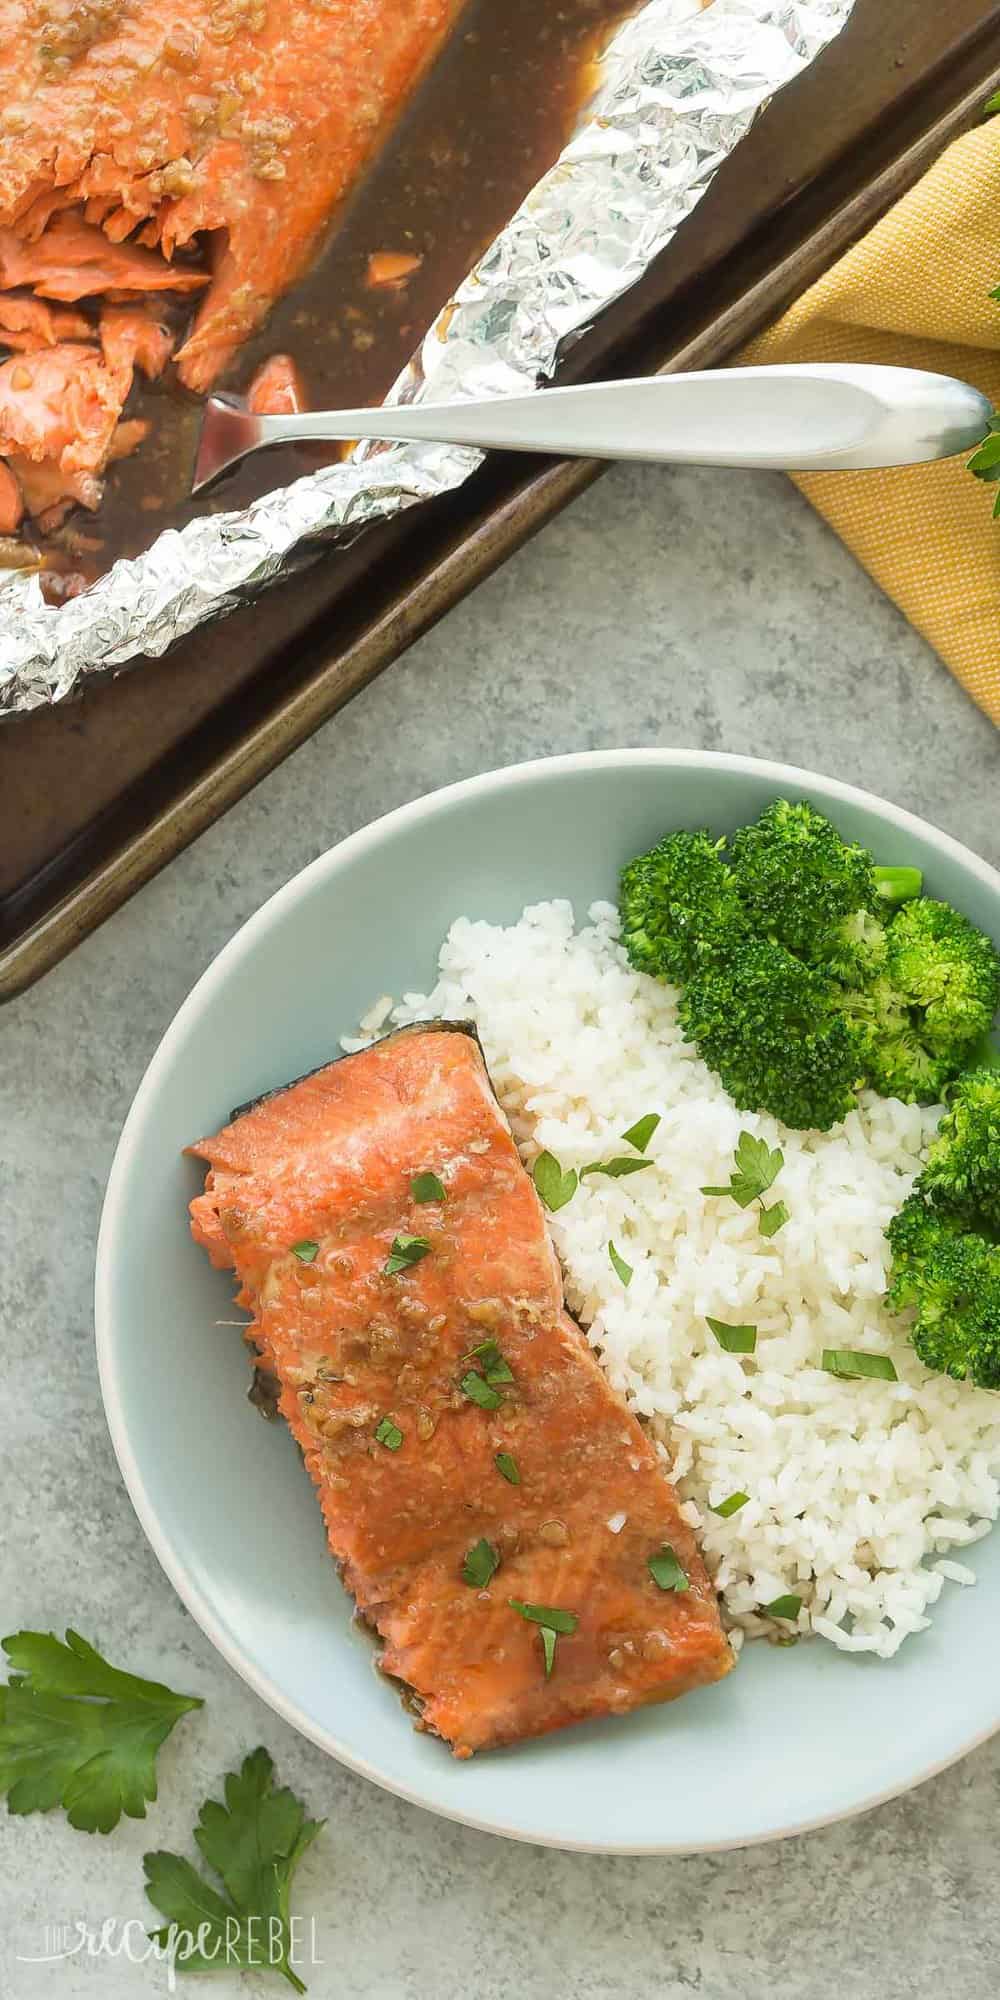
(341, 854)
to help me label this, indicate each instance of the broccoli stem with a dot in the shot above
(898, 885)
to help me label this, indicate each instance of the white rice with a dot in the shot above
(856, 1487)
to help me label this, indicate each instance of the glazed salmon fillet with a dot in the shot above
(137, 135)
(447, 1405)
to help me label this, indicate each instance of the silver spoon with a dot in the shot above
(815, 416)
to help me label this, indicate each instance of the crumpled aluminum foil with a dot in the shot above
(679, 88)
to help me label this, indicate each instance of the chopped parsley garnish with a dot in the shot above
(426, 1187)
(389, 1434)
(78, 1733)
(551, 1621)
(507, 1468)
(546, 1614)
(757, 1168)
(306, 1253)
(848, 1363)
(554, 1187)
(640, 1134)
(772, 1219)
(787, 1606)
(482, 1562)
(405, 1252)
(253, 1843)
(479, 1391)
(665, 1570)
(735, 1339)
(616, 1170)
(619, 1266)
(491, 1361)
(730, 1506)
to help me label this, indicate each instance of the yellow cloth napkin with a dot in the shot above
(916, 292)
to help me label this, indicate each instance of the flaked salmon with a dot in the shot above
(60, 411)
(276, 389)
(502, 1520)
(27, 324)
(180, 147)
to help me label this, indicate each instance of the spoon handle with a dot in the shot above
(810, 417)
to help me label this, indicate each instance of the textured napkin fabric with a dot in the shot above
(916, 292)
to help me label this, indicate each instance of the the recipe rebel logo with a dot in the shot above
(259, 1943)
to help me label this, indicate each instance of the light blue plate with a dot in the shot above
(793, 1738)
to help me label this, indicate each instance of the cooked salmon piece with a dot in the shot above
(276, 389)
(59, 417)
(391, 268)
(73, 260)
(245, 122)
(132, 338)
(492, 1504)
(27, 324)
(11, 502)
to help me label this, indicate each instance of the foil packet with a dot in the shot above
(679, 87)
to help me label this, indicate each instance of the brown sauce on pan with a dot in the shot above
(490, 117)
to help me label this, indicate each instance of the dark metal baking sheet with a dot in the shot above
(99, 794)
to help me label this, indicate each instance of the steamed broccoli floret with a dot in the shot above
(857, 950)
(950, 1277)
(811, 971)
(895, 1060)
(767, 1025)
(678, 906)
(922, 1011)
(798, 880)
(962, 1174)
(949, 972)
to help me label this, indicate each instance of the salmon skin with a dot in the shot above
(445, 1402)
(138, 135)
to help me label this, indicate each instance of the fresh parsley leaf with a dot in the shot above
(786, 1606)
(985, 460)
(306, 1252)
(640, 1134)
(735, 1339)
(492, 1362)
(731, 1505)
(756, 1164)
(665, 1570)
(389, 1434)
(619, 1266)
(772, 1219)
(546, 1614)
(427, 1187)
(757, 1168)
(507, 1468)
(616, 1170)
(850, 1363)
(481, 1563)
(253, 1843)
(555, 1188)
(79, 1733)
(479, 1391)
(548, 1637)
(405, 1252)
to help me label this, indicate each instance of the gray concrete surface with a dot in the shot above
(694, 608)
